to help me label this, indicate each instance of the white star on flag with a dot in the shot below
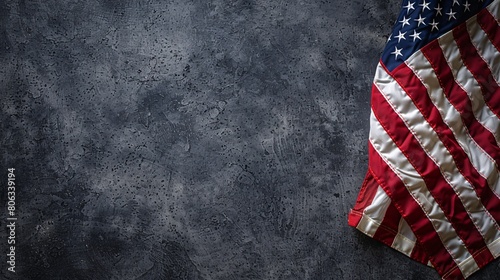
(466, 5)
(420, 20)
(434, 24)
(451, 14)
(409, 7)
(405, 21)
(397, 52)
(400, 36)
(425, 5)
(438, 10)
(416, 35)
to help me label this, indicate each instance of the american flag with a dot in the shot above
(432, 190)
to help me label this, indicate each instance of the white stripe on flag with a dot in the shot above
(494, 9)
(484, 47)
(377, 209)
(405, 239)
(373, 215)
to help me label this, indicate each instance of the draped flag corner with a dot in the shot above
(432, 189)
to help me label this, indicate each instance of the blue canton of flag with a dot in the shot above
(420, 22)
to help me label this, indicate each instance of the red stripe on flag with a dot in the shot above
(388, 230)
(414, 215)
(418, 93)
(490, 26)
(442, 192)
(460, 100)
(418, 253)
(365, 198)
(478, 67)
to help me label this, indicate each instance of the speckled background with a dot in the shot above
(191, 139)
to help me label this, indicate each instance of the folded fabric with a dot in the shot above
(432, 189)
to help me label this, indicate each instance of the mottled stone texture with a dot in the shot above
(191, 139)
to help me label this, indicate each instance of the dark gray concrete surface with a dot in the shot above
(191, 139)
